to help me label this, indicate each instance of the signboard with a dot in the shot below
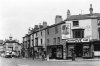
(72, 40)
(85, 40)
(77, 40)
(65, 30)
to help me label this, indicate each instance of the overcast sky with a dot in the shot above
(16, 16)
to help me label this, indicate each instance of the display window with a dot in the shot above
(86, 51)
(59, 53)
(70, 48)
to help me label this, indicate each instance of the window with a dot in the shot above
(56, 29)
(97, 47)
(36, 33)
(36, 41)
(63, 27)
(41, 33)
(58, 40)
(41, 41)
(75, 23)
(99, 32)
(78, 33)
(48, 31)
(98, 22)
(54, 41)
(47, 41)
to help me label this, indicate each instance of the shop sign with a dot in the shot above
(85, 40)
(73, 40)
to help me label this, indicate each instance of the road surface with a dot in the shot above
(30, 62)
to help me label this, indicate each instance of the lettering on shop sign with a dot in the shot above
(85, 40)
(73, 40)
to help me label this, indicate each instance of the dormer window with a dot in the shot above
(75, 23)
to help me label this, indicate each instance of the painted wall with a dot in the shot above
(83, 24)
(94, 29)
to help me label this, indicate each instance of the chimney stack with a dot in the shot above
(44, 24)
(58, 19)
(68, 13)
(36, 27)
(91, 9)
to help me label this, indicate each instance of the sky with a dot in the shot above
(16, 16)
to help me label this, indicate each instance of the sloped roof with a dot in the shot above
(83, 16)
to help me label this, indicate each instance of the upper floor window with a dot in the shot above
(75, 23)
(41, 41)
(58, 40)
(36, 33)
(36, 41)
(78, 33)
(54, 41)
(48, 31)
(56, 29)
(41, 33)
(48, 41)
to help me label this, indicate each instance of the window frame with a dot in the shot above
(75, 23)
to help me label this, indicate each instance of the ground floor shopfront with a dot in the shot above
(81, 50)
(55, 51)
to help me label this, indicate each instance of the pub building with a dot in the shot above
(83, 34)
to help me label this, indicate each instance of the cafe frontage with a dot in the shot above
(83, 48)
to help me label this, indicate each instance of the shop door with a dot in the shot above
(53, 53)
(78, 50)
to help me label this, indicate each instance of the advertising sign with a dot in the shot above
(65, 30)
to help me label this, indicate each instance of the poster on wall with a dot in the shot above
(65, 30)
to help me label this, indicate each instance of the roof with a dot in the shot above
(83, 16)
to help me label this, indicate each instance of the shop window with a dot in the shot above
(78, 33)
(75, 23)
(56, 29)
(86, 51)
(97, 47)
(59, 53)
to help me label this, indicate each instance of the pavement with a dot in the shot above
(76, 59)
(50, 62)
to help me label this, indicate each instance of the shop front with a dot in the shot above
(38, 52)
(55, 51)
(82, 49)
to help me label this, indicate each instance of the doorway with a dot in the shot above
(79, 50)
(53, 53)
